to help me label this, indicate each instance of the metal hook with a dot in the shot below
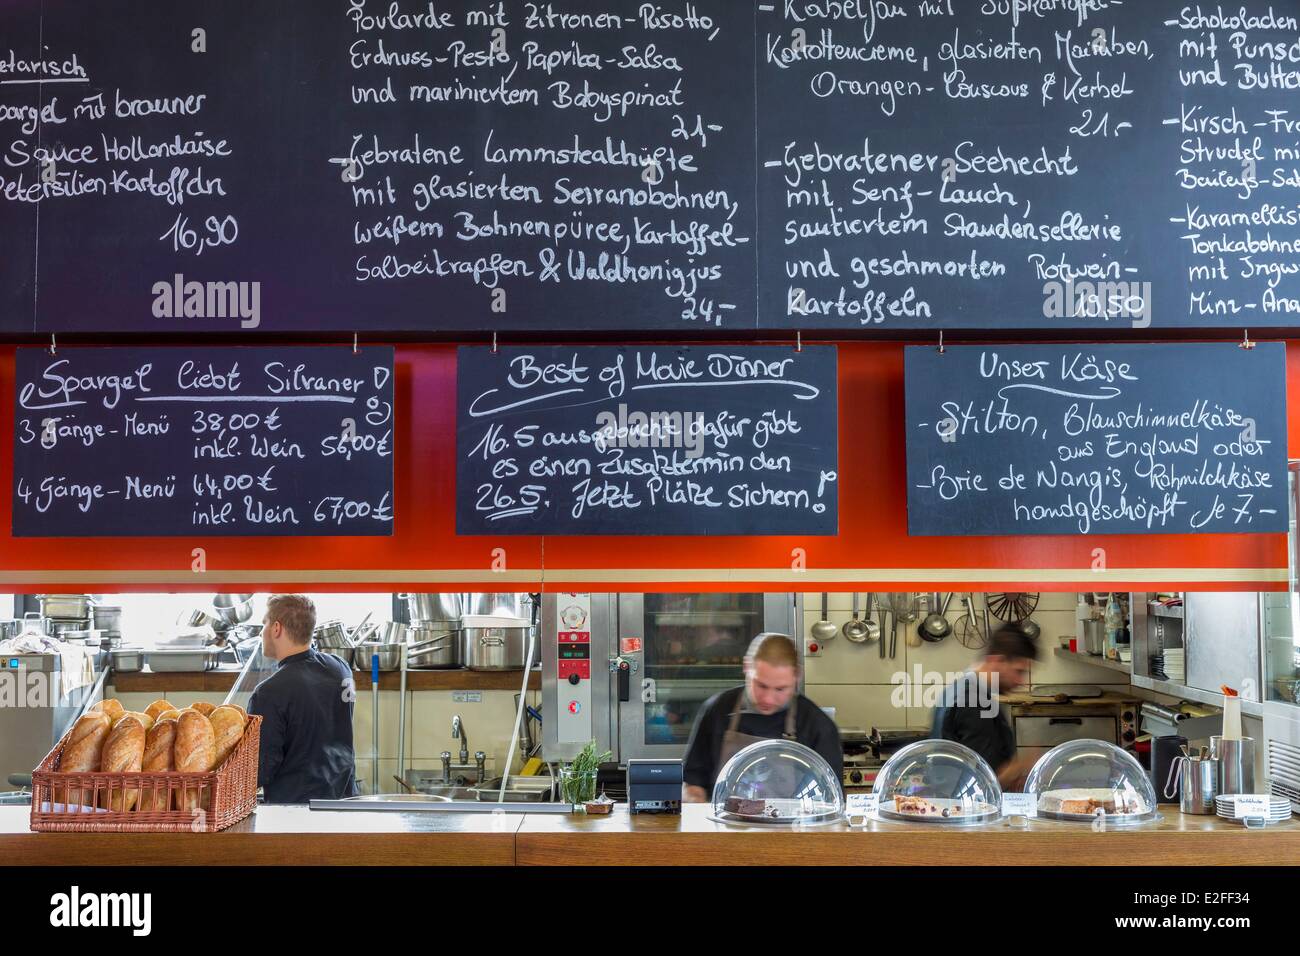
(355, 350)
(941, 348)
(798, 340)
(1246, 343)
(494, 343)
(53, 345)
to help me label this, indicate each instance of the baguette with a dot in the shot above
(123, 753)
(158, 744)
(158, 707)
(228, 726)
(195, 752)
(204, 708)
(112, 707)
(82, 753)
(145, 720)
(173, 714)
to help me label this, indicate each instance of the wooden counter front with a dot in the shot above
(276, 836)
(279, 835)
(692, 839)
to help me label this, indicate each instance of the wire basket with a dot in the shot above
(169, 802)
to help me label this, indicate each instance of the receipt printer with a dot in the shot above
(654, 786)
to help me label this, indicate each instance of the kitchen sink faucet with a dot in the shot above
(458, 733)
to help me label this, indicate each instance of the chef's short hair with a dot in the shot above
(296, 614)
(1011, 641)
(773, 648)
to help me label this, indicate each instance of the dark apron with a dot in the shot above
(733, 741)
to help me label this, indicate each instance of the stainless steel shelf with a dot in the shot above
(1066, 654)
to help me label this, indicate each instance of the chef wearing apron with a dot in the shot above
(767, 706)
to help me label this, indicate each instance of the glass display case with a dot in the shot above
(938, 782)
(775, 783)
(1082, 780)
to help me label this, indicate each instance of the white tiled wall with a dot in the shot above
(854, 680)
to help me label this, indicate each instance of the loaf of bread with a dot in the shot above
(112, 707)
(228, 727)
(195, 752)
(204, 708)
(123, 753)
(241, 710)
(82, 753)
(158, 707)
(145, 720)
(158, 745)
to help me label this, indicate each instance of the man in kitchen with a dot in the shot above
(969, 714)
(306, 708)
(767, 706)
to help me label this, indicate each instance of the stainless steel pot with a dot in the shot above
(10, 628)
(495, 648)
(330, 635)
(390, 656)
(66, 606)
(69, 630)
(231, 609)
(443, 606)
(501, 605)
(106, 618)
(390, 632)
(435, 648)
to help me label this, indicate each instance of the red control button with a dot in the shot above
(812, 648)
(574, 707)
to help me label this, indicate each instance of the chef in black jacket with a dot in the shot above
(306, 708)
(767, 706)
(969, 712)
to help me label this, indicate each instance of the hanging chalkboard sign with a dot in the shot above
(694, 167)
(1108, 439)
(647, 441)
(216, 441)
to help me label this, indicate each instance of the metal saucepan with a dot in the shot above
(823, 630)
(935, 627)
(442, 606)
(231, 609)
(433, 648)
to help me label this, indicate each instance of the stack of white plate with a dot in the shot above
(1279, 808)
(1175, 664)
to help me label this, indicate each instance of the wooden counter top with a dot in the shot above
(643, 840)
(296, 835)
(222, 680)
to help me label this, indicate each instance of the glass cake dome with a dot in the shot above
(777, 783)
(938, 781)
(1084, 779)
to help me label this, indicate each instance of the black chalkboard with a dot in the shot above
(600, 176)
(647, 441)
(20, 122)
(951, 164)
(291, 441)
(485, 165)
(1109, 439)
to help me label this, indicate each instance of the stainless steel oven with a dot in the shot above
(630, 671)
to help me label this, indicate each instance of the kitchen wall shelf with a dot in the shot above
(1066, 654)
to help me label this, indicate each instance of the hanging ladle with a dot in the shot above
(935, 626)
(854, 629)
(823, 630)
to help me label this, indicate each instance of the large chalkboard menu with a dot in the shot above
(213, 441)
(618, 165)
(653, 440)
(1086, 440)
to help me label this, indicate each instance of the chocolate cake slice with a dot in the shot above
(749, 808)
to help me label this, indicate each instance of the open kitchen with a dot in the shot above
(692, 433)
